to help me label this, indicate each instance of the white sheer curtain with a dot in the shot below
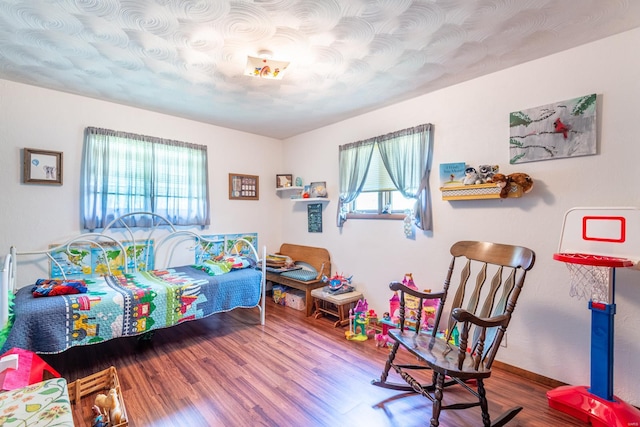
(406, 155)
(124, 172)
(354, 160)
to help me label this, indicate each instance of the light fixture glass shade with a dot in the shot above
(265, 68)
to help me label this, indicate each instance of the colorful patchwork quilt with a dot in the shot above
(129, 304)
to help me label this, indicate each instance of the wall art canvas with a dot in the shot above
(216, 245)
(554, 131)
(84, 260)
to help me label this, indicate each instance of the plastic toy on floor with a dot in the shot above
(358, 322)
(382, 338)
(99, 419)
(429, 308)
(110, 404)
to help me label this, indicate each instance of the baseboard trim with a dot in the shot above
(532, 376)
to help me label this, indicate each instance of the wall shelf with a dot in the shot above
(311, 200)
(284, 189)
(478, 191)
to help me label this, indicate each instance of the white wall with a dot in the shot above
(32, 216)
(550, 332)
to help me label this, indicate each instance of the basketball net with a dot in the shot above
(589, 282)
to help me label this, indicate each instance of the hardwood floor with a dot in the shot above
(227, 370)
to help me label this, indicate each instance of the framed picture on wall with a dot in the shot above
(318, 189)
(42, 167)
(244, 187)
(283, 181)
(314, 217)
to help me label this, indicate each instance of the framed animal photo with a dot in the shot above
(42, 167)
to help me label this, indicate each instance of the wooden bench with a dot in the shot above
(317, 257)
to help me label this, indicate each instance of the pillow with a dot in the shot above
(302, 275)
(214, 268)
(238, 261)
(53, 287)
(307, 273)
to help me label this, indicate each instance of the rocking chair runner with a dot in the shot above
(481, 326)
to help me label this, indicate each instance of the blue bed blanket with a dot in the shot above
(125, 305)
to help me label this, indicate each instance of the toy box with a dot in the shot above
(84, 390)
(295, 299)
(279, 294)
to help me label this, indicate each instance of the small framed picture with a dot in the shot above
(283, 181)
(318, 189)
(244, 187)
(42, 167)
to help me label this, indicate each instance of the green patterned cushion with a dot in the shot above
(302, 275)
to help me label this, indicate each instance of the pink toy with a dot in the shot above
(382, 340)
(361, 306)
(408, 281)
(394, 306)
(429, 308)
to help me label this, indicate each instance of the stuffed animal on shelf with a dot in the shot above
(109, 404)
(502, 181)
(471, 177)
(523, 180)
(486, 172)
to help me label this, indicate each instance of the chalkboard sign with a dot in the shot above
(314, 214)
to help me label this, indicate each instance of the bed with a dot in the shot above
(130, 290)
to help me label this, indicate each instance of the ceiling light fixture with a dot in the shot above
(264, 67)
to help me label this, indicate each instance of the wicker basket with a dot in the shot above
(98, 383)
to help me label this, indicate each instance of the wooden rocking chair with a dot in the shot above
(481, 326)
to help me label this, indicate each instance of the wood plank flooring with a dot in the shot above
(228, 370)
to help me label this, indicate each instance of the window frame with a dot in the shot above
(384, 198)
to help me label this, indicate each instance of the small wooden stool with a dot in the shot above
(335, 305)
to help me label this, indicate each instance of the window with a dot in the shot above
(379, 195)
(125, 173)
(384, 176)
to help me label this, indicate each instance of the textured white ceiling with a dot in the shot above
(187, 57)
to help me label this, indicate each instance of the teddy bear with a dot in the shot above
(502, 181)
(523, 180)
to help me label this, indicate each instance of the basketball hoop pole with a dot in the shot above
(597, 404)
(602, 326)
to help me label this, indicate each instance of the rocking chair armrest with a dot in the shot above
(462, 315)
(398, 286)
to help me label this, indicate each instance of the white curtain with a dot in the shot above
(354, 160)
(406, 155)
(124, 172)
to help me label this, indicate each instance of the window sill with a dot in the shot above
(375, 216)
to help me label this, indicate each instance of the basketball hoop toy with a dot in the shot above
(591, 276)
(593, 245)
